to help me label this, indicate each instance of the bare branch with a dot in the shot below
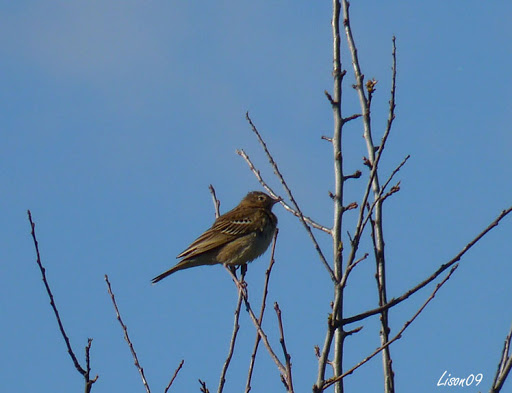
(392, 105)
(297, 212)
(330, 99)
(398, 335)
(127, 337)
(257, 324)
(349, 268)
(88, 382)
(236, 327)
(85, 373)
(353, 331)
(333, 332)
(355, 175)
(323, 358)
(203, 388)
(216, 202)
(264, 338)
(262, 311)
(504, 366)
(288, 381)
(52, 301)
(373, 161)
(283, 182)
(174, 376)
(350, 118)
(392, 191)
(287, 207)
(362, 219)
(394, 173)
(391, 116)
(441, 269)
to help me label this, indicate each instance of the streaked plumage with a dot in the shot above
(235, 238)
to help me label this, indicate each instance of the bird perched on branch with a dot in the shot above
(235, 238)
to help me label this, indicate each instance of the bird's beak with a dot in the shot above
(276, 200)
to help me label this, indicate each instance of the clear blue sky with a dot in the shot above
(115, 117)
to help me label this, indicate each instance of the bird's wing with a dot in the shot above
(225, 229)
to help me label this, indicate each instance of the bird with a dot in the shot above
(235, 238)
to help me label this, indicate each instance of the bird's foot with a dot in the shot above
(242, 287)
(240, 284)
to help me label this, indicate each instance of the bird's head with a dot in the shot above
(259, 199)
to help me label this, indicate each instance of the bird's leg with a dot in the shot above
(233, 270)
(240, 284)
(243, 270)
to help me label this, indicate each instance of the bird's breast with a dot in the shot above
(246, 248)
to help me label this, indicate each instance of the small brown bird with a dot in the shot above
(235, 238)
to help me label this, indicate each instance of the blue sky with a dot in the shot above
(117, 115)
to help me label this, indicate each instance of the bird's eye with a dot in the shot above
(261, 198)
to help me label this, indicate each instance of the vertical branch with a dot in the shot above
(339, 333)
(236, 327)
(504, 366)
(398, 336)
(262, 311)
(88, 381)
(216, 202)
(377, 230)
(288, 380)
(334, 330)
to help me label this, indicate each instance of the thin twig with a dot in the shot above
(174, 376)
(504, 366)
(285, 185)
(257, 325)
(127, 337)
(362, 219)
(203, 388)
(262, 311)
(299, 212)
(395, 338)
(352, 117)
(236, 327)
(349, 268)
(85, 373)
(216, 202)
(356, 175)
(88, 380)
(393, 174)
(377, 229)
(441, 269)
(264, 338)
(273, 194)
(52, 301)
(288, 358)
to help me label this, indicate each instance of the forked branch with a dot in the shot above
(439, 271)
(504, 366)
(84, 372)
(396, 337)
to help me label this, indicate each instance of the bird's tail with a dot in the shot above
(162, 276)
(185, 264)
